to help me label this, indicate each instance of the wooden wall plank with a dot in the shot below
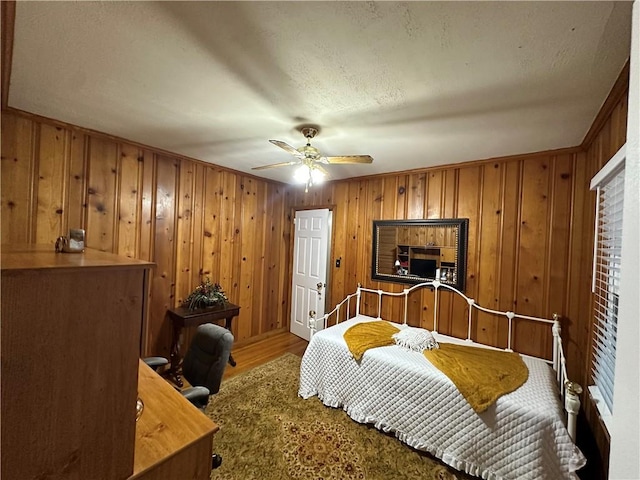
(337, 288)
(468, 204)
(416, 204)
(101, 194)
(76, 198)
(128, 202)
(434, 202)
(8, 21)
(184, 231)
(286, 274)
(416, 197)
(533, 250)
(248, 238)
(372, 210)
(50, 192)
(230, 246)
(619, 122)
(163, 277)
(258, 265)
(490, 329)
(559, 233)
(401, 204)
(200, 211)
(510, 230)
(448, 208)
(211, 229)
(18, 178)
(147, 206)
(389, 207)
(352, 275)
(274, 288)
(578, 267)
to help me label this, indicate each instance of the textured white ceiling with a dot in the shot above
(413, 84)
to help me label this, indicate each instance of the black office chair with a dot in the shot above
(203, 366)
(205, 361)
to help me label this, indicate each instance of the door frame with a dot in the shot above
(292, 216)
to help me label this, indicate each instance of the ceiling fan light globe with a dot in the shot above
(317, 176)
(301, 174)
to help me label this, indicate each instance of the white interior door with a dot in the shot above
(310, 254)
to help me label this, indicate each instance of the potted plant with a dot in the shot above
(207, 294)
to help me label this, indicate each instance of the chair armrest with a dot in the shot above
(198, 396)
(155, 362)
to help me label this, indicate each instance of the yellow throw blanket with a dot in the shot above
(364, 336)
(481, 375)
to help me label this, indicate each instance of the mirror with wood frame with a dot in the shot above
(416, 251)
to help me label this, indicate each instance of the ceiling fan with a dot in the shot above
(311, 162)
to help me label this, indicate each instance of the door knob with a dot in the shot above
(312, 313)
(319, 285)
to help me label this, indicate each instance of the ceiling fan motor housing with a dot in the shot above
(309, 152)
(309, 132)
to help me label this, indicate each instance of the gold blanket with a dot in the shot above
(364, 336)
(481, 375)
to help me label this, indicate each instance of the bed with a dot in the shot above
(523, 435)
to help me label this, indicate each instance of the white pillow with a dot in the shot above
(416, 339)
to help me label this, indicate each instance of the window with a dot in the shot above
(609, 186)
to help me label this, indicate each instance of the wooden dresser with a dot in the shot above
(71, 329)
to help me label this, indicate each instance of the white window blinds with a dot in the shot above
(609, 185)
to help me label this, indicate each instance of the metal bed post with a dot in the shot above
(471, 302)
(510, 317)
(556, 329)
(358, 300)
(379, 304)
(572, 406)
(311, 324)
(436, 285)
(406, 299)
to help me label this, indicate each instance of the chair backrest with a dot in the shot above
(207, 357)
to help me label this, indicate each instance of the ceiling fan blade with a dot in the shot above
(317, 166)
(288, 148)
(350, 159)
(281, 164)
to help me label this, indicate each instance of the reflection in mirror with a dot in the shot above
(415, 251)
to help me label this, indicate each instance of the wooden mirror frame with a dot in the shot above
(425, 246)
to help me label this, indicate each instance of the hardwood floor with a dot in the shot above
(263, 351)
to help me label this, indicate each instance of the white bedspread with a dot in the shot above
(521, 437)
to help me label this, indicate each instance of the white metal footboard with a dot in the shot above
(569, 391)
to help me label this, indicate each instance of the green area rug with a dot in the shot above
(268, 432)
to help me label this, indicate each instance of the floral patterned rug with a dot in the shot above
(268, 432)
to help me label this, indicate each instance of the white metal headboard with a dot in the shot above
(569, 391)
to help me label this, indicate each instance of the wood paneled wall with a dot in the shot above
(192, 219)
(520, 213)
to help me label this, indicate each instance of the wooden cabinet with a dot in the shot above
(419, 260)
(71, 328)
(424, 260)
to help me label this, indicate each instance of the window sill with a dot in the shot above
(603, 410)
